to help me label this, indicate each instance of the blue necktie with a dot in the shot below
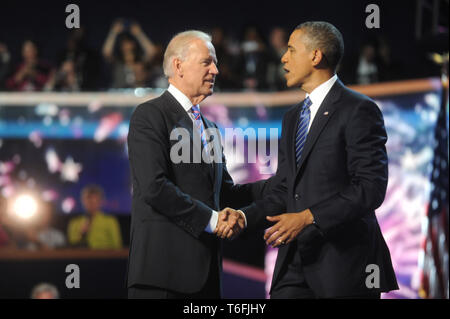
(199, 123)
(302, 129)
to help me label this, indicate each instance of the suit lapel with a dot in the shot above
(324, 113)
(182, 119)
(215, 167)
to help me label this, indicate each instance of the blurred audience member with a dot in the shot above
(42, 234)
(65, 79)
(388, 68)
(275, 72)
(367, 69)
(44, 291)
(5, 59)
(94, 230)
(228, 78)
(33, 73)
(253, 60)
(78, 65)
(156, 77)
(128, 65)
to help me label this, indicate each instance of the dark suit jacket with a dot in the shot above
(342, 179)
(172, 203)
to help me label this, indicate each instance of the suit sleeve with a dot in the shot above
(271, 194)
(149, 156)
(239, 195)
(367, 165)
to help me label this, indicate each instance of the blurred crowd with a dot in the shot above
(130, 59)
(93, 230)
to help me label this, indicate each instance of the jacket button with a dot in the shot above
(297, 196)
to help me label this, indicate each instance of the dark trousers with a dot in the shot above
(211, 289)
(292, 283)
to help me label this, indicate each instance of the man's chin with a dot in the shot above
(289, 84)
(208, 92)
(293, 84)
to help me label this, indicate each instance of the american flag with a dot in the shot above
(434, 259)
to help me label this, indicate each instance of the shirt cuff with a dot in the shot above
(212, 222)
(245, 218)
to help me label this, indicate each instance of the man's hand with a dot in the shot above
(230, 223)
(287, 227)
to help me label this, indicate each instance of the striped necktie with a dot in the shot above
(302, 129)
(198, 121)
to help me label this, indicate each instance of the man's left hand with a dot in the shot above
(287, 227)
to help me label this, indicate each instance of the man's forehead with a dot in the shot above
(202, 47)
(295, 37)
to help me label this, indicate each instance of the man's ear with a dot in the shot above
(318, 57)
(177, 67)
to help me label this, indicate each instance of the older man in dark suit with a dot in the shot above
(174, 252)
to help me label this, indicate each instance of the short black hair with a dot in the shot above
(325, 37)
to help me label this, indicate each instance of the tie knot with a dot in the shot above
(195, 109)
(306, 104)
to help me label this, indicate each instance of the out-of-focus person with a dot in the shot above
(44, 291)
(277, 48)
(156, 77)
(85, 61)
(33, 73)
(253, 60)
(228, 79)
(135, 52)
(43, 234)
(367, 69)
(95, 230)
(5, 59)
(65, 79)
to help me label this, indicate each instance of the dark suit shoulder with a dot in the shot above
(354, 101)
(355, 97)
(152, 111)
(290, 112)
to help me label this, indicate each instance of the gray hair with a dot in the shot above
(44, 287)
(179, 46)
(325, 37)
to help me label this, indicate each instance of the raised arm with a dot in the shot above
(146, 44)
(108, 46)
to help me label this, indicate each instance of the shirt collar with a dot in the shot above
(319, 93)
(180, 97)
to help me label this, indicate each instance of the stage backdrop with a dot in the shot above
(54, 144)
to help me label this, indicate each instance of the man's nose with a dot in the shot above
(283, 59)
(214, 70)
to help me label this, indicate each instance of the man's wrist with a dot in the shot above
(212, 222)
(310, 217)
(243, 215)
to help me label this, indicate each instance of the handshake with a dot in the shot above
(230, 223)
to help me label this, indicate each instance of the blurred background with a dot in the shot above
(66, 97)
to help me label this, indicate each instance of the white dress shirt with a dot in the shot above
(318, 95)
